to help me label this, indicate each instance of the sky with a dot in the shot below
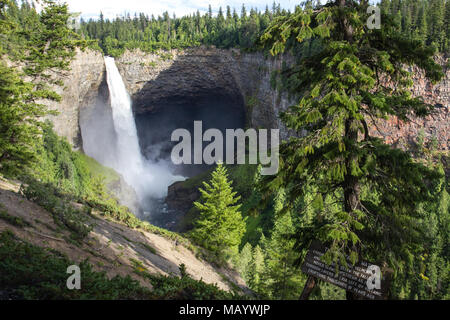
(112, 8)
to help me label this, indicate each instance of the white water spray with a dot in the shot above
(150, 180)
(128, 159)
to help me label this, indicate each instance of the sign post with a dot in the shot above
(364, 279)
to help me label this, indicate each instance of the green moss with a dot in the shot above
(99, 170)
(196, 181)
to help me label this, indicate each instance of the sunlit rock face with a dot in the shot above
(182, 76)
(223, 88)
(81, 87)
(201, 76)
(435, 126)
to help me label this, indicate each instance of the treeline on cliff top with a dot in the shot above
(426, 20)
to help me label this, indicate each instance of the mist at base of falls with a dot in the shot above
(109, 135)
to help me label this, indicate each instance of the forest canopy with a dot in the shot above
(242, 27)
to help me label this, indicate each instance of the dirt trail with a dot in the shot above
(110, 246)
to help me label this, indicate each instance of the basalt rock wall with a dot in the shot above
(180, 76)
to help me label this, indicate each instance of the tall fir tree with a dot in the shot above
(46, 46)
(220, 226)
(358, 74)
(281, 278)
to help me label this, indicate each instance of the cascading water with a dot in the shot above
(128, 160)
(149, 179)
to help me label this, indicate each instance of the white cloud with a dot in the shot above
(112, 8)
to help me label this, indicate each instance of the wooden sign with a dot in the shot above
(364, 279)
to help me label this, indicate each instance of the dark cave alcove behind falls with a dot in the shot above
(215, 109)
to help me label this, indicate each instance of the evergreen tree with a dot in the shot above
(47, 47)
(447, 24)
(243, 262)
(18, 126)
(220, 226)
(422, 30)
(342, 86)
(243, 13)
(427, 277)
(281, 277)
(232, 30)
(256, 269)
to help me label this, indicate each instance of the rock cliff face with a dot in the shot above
(154, 80)
(84, 91)
(184, 75)
(433, 127)
(240, 80)
(180, 76)
(84, 78)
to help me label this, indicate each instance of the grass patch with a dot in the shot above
(14, 221)
(149, 248)
(99, 170)
(130, 241)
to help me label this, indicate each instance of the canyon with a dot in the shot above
(223, 88)
(158, 81)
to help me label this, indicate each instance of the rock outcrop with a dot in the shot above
(183, 75)
(433, 127)
(189, 74)
(85, 76)
(180, 76)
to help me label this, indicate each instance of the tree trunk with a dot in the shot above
(351, 183)
(352, 187)
(309, 286)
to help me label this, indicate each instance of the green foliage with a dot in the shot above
(18, 126)
(186, 288)
(58, 165)
(52, 44)
(281, 278)
(334, 156)
(220, 226)
(30, 272)
(424, 20)
(44, 46)
(64, 213)
(427, 274)
(164, 32)
(257, 269)
(15, 221)
(243, 261)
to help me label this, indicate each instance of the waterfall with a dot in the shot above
(149, 180)
(128, 160)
